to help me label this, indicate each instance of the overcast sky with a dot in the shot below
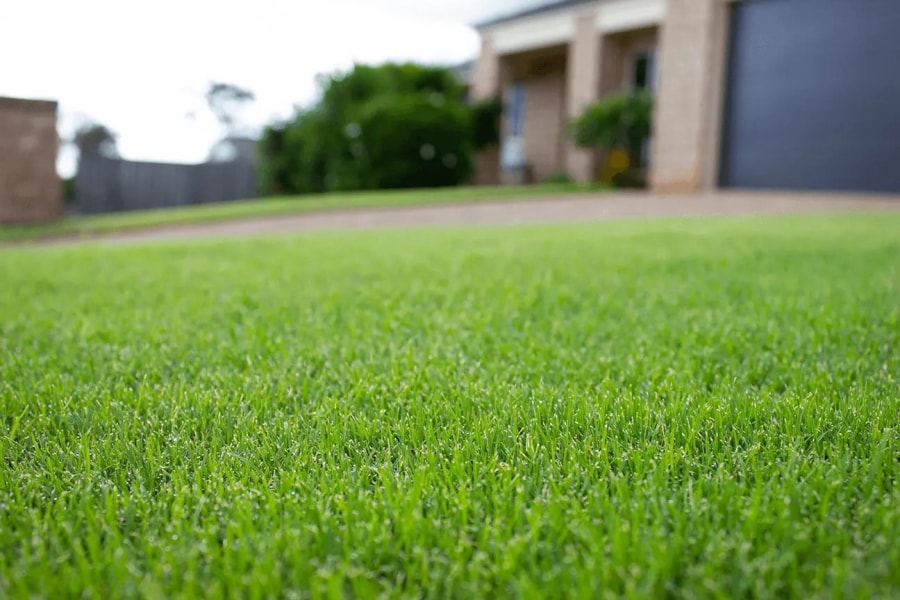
(140, 67)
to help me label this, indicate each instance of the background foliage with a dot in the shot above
(379, 127)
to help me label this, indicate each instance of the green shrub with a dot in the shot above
(558, 177)
(486, 122)
(620, 122)
(291, 158)
(68, 190)
(409, 141)
(369, 121)
(272, 165)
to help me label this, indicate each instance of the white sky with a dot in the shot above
(141, 67)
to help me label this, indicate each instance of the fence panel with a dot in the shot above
(111, 185)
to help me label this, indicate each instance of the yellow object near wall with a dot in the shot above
(616, 162)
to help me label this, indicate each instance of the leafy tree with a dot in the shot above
(225, 100)
(271, 173)
(433, 149)
(292, 159)
(94, 139)
(375, 127)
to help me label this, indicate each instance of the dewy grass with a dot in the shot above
(678, 409)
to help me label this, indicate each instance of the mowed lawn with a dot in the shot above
(680, 409)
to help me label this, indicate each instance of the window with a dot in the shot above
(644, 78)
(644, 72)
(515, 110)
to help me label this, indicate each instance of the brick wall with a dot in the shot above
(30, 189)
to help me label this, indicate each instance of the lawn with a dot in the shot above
(91, 225)
(672, 409)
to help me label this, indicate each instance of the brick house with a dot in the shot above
(30, 189)
(783, 94)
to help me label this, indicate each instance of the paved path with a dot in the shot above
(566, 209)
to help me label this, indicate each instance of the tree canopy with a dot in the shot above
(226, 100)
(378, 127)
(95, 139)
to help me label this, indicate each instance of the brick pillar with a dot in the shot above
(486, 72)
(486, 83)
(692, 52)
(583, 88)
(30, 189)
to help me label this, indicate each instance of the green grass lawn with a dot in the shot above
(77, 226)
(672, 409)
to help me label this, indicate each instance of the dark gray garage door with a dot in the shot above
(813, 96)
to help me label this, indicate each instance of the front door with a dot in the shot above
(512, 155)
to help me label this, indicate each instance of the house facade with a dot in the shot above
(759, 94)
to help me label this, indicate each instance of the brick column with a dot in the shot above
(486, 83)
(583, 88)
(691, 53)
(486, 72)
(30, 189)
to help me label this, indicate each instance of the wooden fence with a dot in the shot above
(105, 185)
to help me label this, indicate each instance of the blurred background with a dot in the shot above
(116, 107)
(142, 69)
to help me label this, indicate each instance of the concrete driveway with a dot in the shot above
(595, 207)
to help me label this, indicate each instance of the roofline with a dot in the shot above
(553, 6)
